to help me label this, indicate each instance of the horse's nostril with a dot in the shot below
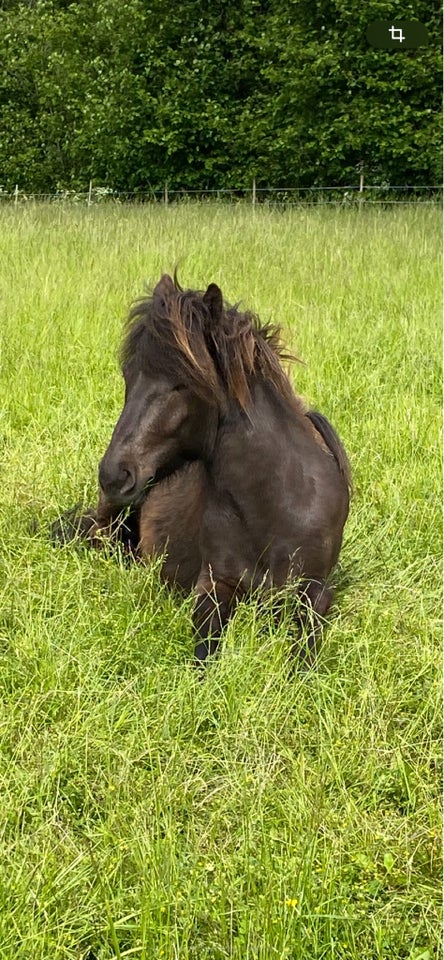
(116, 480)
(127, 481)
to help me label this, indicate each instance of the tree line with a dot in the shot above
(214, 93)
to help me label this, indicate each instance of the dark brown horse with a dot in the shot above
(216, 463)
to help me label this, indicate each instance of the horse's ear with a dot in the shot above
(212, 299)
(165, 286)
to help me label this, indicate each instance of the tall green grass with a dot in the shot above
(259, 815)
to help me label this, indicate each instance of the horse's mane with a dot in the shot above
(172, 332)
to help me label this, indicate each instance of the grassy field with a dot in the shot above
(258, 815)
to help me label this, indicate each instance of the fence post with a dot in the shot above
(90, 193)
(253, 197)
(16, 194)
(361, 184)
(165, 196)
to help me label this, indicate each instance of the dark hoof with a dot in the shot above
(70, 526)
(203, 650)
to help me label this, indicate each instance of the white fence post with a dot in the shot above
(361, 185)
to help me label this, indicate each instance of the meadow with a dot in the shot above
(260, 814)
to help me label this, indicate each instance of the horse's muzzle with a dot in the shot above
(118, 481)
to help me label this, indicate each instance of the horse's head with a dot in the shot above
(166, 420)
(186, 358)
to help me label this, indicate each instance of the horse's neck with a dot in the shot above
(269, 422)
(269, 406)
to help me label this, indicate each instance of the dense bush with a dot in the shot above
(211, 94)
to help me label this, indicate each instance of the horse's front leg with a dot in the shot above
(211, 613)
(73, 524)
(91, 526)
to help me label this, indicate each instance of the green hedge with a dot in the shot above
(211, 94)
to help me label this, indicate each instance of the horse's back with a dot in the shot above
(330, 438)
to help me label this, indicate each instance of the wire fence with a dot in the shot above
(348, 195)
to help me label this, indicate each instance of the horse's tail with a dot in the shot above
(329, 435)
